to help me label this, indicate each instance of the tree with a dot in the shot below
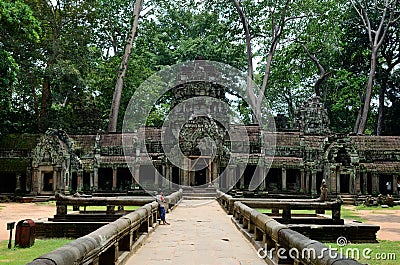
(115, 105)
(390, 53)
(386, 10)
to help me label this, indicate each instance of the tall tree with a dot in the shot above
(115, 105)
(387, 12)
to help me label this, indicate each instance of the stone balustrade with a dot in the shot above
(112, 243)
(274, 237)
(286, 205)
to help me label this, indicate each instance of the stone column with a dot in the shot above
(307, 182)
(394, 185)
(55, 180)
(114, 178)
(231, 176)
(358, 184)
(284, 179)
(91, 180)
(215, 171)
(314, 182)
(168, 171)
(261, 172)
(137, 173)
(80, 180)
(365, 181)
(18, 182)
(338, 181)
(28, 185)
(374, 182)
(156, 179)
(302, 181)
(241, 169)
(95, 178)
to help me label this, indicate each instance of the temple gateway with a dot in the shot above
(40, 164)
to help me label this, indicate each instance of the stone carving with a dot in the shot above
(312, 118)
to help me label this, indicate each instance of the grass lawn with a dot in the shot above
(345, 213)
(20, 256)
(377, 208)
(383, 253)
(89, 208)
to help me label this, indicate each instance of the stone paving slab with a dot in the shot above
(201, 233)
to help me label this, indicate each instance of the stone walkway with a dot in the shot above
(200, 233)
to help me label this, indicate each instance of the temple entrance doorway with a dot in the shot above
(48, 181)
(385, 184)
(175, 175)
(200, 177)
(344, 183)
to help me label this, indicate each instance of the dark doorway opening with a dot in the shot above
(124, 179)
(105, 178)
(200, 177)
(86, 181)
(385, 184)
(74, 182)
(8, 182)
(248, 175)
(293, 179)
(175, 175)
(48, 181)
(344, 183)
(274, 179)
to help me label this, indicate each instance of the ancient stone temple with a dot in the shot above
(304, 156)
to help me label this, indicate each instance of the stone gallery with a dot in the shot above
(304, 155)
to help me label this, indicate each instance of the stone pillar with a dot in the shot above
(302, 181)
(374, 182)
(364, 175)
(91, 180)
(137, 173)
(314, 182)
(230, 176)
(338, 181)
(358, 184)
(28, 184)
(55, 180)
(18, 182)
(241, 169)
(394, 185)
(168, 175)
(284, 179)
(95, 178)
(215, 171)
(186, 173)
(261, 172)
(164, 175)
(307, 182)
(80, 180)
(114, 178)
(156, 179)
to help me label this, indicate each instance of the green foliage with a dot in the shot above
(76, 48)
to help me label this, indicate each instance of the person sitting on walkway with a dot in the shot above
(161, 206)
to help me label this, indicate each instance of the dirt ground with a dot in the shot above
(18, 211)
(388, 220)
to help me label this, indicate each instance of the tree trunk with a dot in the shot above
(368, 93)
(250, 92)
(379, 127)
(113, 120)
(44, 116)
